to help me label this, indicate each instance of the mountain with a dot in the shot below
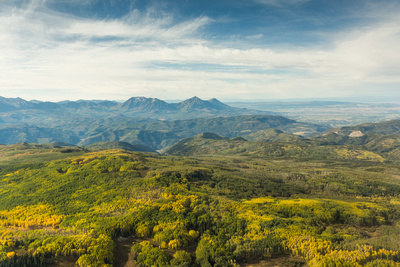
(230, 126)
(216, 104)
(120, 145)
(34, 134)
(139, 120)
(272, 135)
(154, 139)
(212, 136)
(187, 109)
(135, 107)
(382, 137)
(196, 103)
(295, 149)
(12, 104)
(87, 104)
(74, 207)
(9, 104)
(371, 141)
(385, 128)
(155, 134)
(61, 144)
(386, 145)
(233, 126)
(201, 145)
(160, 134)
(143, 104)
(197, 108)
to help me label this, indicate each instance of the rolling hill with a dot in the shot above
(119, 145)
(76, 207)
(272, 135)
(232, 190)
(274, 143)
(200, 146)
(384, 128)
(139, 120)
(157, 134)
(160, 134)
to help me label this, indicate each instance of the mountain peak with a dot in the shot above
(141, 98)
(145, 104)
(212, 136)
(218, 104)
(10, 104)
(196, 103)
(194, 99)
(192, 104)
(138, 99)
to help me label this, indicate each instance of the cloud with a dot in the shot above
(280, 2)
(370, 54)
(254, 37)
(36, 23)
(151, 54)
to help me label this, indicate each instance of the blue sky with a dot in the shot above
(176, 49)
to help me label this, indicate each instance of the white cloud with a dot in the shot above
(254, 37)
(45, 51)
(280, 2)
(137, 26)
(371, 54)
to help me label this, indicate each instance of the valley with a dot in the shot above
(240, 190)
(260, 133)
(136, 121)
(333, 113)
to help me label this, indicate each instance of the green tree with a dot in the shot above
(181, 258)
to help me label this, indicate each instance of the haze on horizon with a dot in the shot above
(228, 49)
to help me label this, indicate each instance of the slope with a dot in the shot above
(194, 211)
(119, 145)
(135, 107)
(155, 134)
(301, 149)
(272, 135)
(384, 128)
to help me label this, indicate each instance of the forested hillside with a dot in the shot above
(385, 128)
(155, 134)
(66, 205)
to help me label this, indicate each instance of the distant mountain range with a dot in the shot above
(135, 107)
(139, 120)
(152, 124)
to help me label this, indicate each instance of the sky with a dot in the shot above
(248, 50)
